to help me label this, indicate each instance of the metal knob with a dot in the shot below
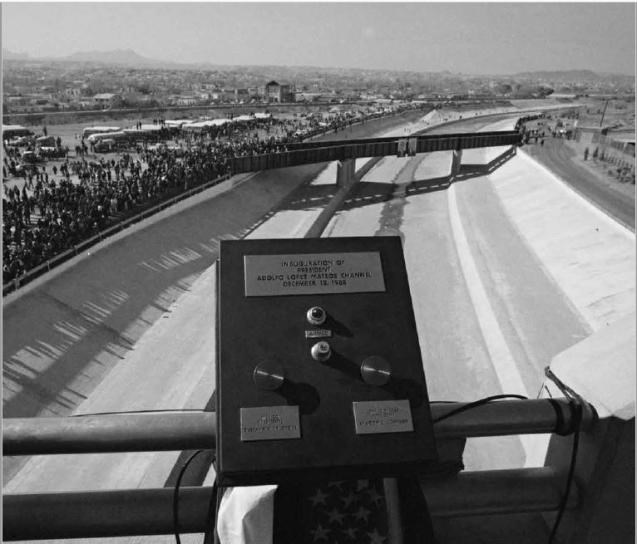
(316, 315)
(375, 370)
(268, 376)
(321, 351)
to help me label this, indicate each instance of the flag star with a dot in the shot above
(348, 500)
(361, 484)
(337, 485)
(375, 497)
(319, 533)
(350, 532)
(336, 517)
(319, 498)
(376, 537)
(362, 513)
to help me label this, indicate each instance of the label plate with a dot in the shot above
(270, 423)
(318, 333)
(385, 416)
(313, 273)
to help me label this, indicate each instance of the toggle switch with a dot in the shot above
(321, 351)
(316, 315)
(375, 370)
(268, 376)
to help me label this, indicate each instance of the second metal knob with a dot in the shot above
(268, 376)
(375, 370)
(321, 351)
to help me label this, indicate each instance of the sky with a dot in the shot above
(470, 38)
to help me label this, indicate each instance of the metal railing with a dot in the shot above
(192, 430)
(149, 511)
(136, 512)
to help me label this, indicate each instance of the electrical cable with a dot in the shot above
(220, 493)
(577, 406)
(176, 495)
(477, 403)
(165, 410)
(212, 510)
(571, 471)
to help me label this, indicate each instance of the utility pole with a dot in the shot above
(604, 112)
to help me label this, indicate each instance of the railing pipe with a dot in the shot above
(133, 512)
(193, 430)
(110, 433)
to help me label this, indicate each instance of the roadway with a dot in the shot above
(491, 297)
(558, 157)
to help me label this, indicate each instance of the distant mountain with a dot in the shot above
(562, 75)
(131, 59)
(10, 55)
(126, 57)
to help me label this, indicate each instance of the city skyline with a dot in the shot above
(470, 38)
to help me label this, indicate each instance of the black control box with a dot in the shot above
(318, 368)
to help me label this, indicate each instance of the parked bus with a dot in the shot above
(14, 131)
(89, 131)
(148, 133)
(116, 136)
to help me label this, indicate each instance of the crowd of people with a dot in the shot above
(60, 207)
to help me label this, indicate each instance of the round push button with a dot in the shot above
(316, 315)
(268, 376)
(375, 370)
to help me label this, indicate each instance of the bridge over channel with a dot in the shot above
(347, 151)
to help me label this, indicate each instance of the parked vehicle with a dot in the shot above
(12, 131)
(30, 157)
(52, 152)
(89, 131)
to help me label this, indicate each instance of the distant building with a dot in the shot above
(241, 95)
(307, 97)
(223, 95)
(72, 92)
(278, 92)
(107, 100)
(184, 100)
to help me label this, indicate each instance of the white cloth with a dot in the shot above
(246, 515)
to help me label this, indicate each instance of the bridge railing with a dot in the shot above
(132, 512)
(420, 137)
(318, 152)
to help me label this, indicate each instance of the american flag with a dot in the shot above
(344, 512)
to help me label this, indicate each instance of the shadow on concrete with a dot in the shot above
(64, 333)
(367, 193)
(62, 337)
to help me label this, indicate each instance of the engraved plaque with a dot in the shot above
(313, 273)
(384, 416)
(270, 423)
